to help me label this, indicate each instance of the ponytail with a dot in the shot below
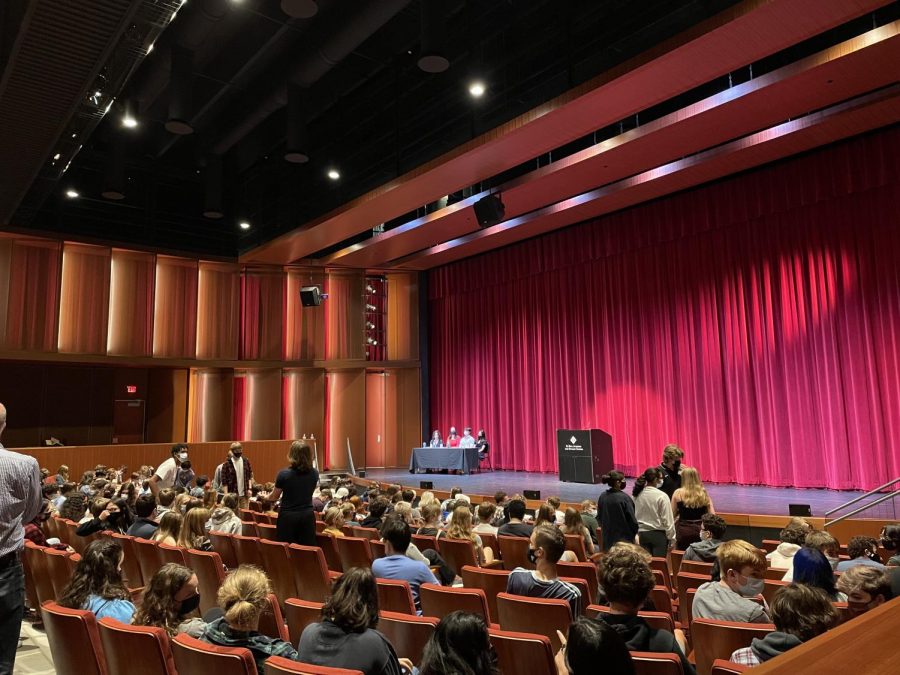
(242, 613)
(613, 479)
(651, 475)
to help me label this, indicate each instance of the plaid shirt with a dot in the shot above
(261, 646)
(20, 497)
(229, 476)
(745, 657)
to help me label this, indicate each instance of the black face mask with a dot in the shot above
(874, 557)
(189, 605)
(532, 556)
(237, 455)
(888, 544)
(676, 465)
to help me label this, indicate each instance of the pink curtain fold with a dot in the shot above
(132, 276)
(32, 295)
(84, 299)
(175, 308)
(262, 314)
(304, 327)
(754, 321)
(344, 316)
(218, 311)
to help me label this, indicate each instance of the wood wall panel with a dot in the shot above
(304, 330)
(347, 417)
(262, 314)
(32, 311)
(218, 311)
(84, 299)
(304, 406)
(402, 316)
(262, 404)
(175, 308)
(211, 406)
(167, 405)
(377, 433)
(132, 276)
(407, 414)
(344, 316)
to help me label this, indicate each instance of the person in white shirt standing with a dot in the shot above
(237, 476)
(653, 509)
(165, 474)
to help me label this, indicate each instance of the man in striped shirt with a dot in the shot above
(546, 547)
(20, 503)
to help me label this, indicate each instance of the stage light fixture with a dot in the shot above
(72, 194)
(244, 225)
(371, 308)
(56, 157)
(477, 89)
(489, 210)
(372, 341)
(370, 325)
(334, 174)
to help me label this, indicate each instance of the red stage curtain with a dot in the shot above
(755, 321)
(84, 299)
(31, 294)
(344, 316)
(262, 312)
(304, 327)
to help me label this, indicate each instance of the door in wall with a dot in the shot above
(128, 421)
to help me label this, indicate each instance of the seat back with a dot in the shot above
(718, 639)
(685, 582)
(271, 621)
(74, 640)
(775, 573)
(57, 570)
(675, 558)
(662, 564)
(514, 552)
(544, 616)
(246, 550)
(332, 559)
(40, 575)
(394, 595)
(439, 601)
(193, 656)
(697, 567)
(170, 554)
(491, 582)
(248, 528)
(364, 532)
(299, 614)
(247, 515)
(354, 552)
(222, 544)
(407, 633)
(131, 566)
(586, 571)
(769, 545)
(654, 663)
(321, 525)
(662, 600)
(310, 573)
(489, 540)
(725, 667)
(772, 587)
(582, 587)
(424, 542)
(279, 569)
(122, 643)
(522, 653)
(279, 664)
(31, 596)
(575, 543)
(457, 552)
(148, 557)
(72, 539)
(266, 532)
(207, 565)
(379, 550)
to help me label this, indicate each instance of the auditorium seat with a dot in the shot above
(74, 640)
(687, 581)
(246, 550)
(279, 664)
(148, 558)
(775, 573)
(248, 528)
(772, 587)
(514, 552)
(662, 601)
(461, 552)
(725, 667)
(40, 575)
(490, 581)
(122, 643)
(207, 565)
(439, 601)
(247, 515)
(582, 586)
(347, 529)
(379, 550)
(223, 545)
(575, 543)
(408, 634)
(299, 614)
(653, 663)
(73, 561)
(194, 656)
(170, 554)
(769, 545)
(354, 552)
(72, 539)
(586, 571)
(489, 540)
(57, 569)
(662, 564)
(131, 566)
(522, 653)
(424, 541)
(719, 639)
(267, 518)
(697, 567)
(656, 620)
(544, 616)
(394, 595)
(364, 532)
(266, 532)
(31, 596)
(278, 567)
(675, 558)
(271, 620)
(311, 576)
(332, 559)
(321, 525)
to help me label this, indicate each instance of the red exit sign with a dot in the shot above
(131, 388)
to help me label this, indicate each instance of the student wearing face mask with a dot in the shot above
(743, 568)
(656, 522)
(865, 587)
(167, 472)
(862, 551)
(107, 514)
(671, 469)
(546, 547)
(170, 598)
(825, 543)
(615, 511)
(890, 539)
(712, 529)
(589, 518)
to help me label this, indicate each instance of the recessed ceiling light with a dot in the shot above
(334, 174)
(56, 157)
(150, 48)
(477, 89)
(244, 225)
(72, 194)
(129, 122)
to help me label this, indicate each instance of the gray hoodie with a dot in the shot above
(224, 520)
(703, 551)
(774, 644)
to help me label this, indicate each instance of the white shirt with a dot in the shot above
(239, 472)
(467, 441)
(167, 472)
(653, 510)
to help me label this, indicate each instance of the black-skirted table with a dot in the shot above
(453, 459)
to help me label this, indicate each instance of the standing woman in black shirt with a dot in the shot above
(294, 486)
(615, 512)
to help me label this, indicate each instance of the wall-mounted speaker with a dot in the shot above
(311, 296)
(489, 210)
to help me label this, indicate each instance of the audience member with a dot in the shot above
(243, 597)
(615, 511)
(712, 529)
(862, 551)
(167, 472)
(165, 500)
(627, 581)
(377, 509)
(812, 568)
(554, 504)
(865, 587)
(545, 516)
(460, 645)
(792, 538)
(143, 526)
(431, 518)
(652, 507)
(34, 530)
(346, 636)
(591, 642)
(890, 540)
(573, 524)
(589, 519)
(397, 564)
(799, 613)
(65, 491)
(334, 519)
(690, 503)
(73, 508)
(546, 547)
(461, 528)
(237, 475)
(199, 489)
(169, 529)
(454, 492)
(169, 600)
(62, 475)
(515, 510)
(193, 532)
(106, 514)
(294, 486)
(97, 585)
(670, 467)
(486, 511)
(823, 542)
(224, 517)
(742, 567)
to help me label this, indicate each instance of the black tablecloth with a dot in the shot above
(458, 459)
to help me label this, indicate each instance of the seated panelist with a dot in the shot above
(483, 446)
(467, 440)
(436, 440)
(453, 438)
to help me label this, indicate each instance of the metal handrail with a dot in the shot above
(891, 495)
(869, 493)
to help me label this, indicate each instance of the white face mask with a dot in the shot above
(183, 456)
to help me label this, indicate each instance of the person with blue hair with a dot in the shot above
(812, 568)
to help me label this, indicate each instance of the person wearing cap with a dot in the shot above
(342, 493)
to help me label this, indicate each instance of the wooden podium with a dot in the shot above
(584, 454)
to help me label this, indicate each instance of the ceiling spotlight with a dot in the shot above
(477, 89)
(244, 225)
(334, 174)
(150, 48)
(129, 122)
(72, 194)
(56, 157)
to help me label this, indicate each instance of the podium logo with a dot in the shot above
(573, 440)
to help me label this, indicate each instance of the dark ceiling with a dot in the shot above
(370, 111)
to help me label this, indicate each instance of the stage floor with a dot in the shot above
(726, 498)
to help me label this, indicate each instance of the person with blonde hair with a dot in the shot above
(572, 524)
(427, 498)
(461, 528)
(294, 486)
(742, 567)
(243, 597)
(169, 529)
(334, 519)
(225, 518)
(193, 530)
(171, 596)
(690, 503)
(62, 475)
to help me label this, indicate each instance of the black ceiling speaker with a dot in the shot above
(300, 9)
(180, 91)
(311, 296)
(489, 210)
(212, 197)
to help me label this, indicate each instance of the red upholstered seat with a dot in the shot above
(122, 643)
(74, 640)
(279, 569)
(575, 543)
(675, 558)
(311, 576)
(36, 562)
(246, 550)
(719, 639)
(544, 616)
(772, 586)
(662, 600)
(514, 552)
(697, 567)
(271, 621)
(332, 559)
(723, 667)
(490, 581)
(365, 532)
(248, 528)
(379, 550)
(354, 552)
(207, 565)
(148, 557)
(687, 581)
(170, 554)
(424, 541)
(394, 595)
(299, 614)
(656, 620)
(652, 663)
(439, 601)
(587, 572)
(489, 540)
(407, 633)
(266, 532)
(222, 544)
(662, 565)
(522, 653)
(194, 656)
(57, 570)
(279, 664)
(131, 566)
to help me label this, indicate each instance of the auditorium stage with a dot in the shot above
(727, 498)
